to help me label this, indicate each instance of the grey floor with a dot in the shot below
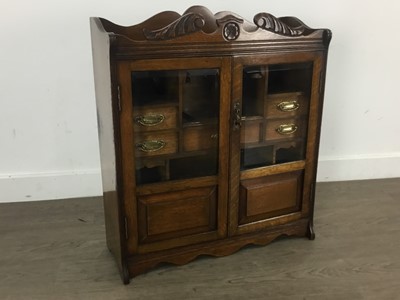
(56, 250)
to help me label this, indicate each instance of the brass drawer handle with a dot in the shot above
(150, 120)
(151, 146)
(286, 129)
(288, 105)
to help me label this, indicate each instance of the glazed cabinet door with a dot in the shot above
(275, 112)
(175, 140)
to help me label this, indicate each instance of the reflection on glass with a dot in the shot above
(200, 96)
(176, 124)
(254, 87)
(155, 87)
(286, 78)
(275, 104)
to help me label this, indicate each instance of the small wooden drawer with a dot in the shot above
(200, 137)
(251, 130)
(286, 105)
(285, 129)
(155, 118)
(156, 143)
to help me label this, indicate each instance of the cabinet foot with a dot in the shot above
(310, 231)
(125, 274)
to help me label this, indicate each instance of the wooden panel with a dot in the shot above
(269, 196)
(234, 165)
(313, 134)
(200, 138)
(127, 152)
(250, 131)
(169, 115)
(263, 198)
(177, 214)
(162, 217)
(271, 131)
(185, 184)
(170, 138)
(272, 109)
(108, 130)
(271, 170)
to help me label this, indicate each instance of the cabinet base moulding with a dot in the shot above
(145, 262)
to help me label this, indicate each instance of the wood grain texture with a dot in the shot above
(168, 137)
(107, 118)
(198, 32)
(273, 100)
(199, 21)
(170, 215)
(127, 168)
(200, 137)
(271, 196)
(169, 114)
(140, 264)
(57, 250)
(227, 44)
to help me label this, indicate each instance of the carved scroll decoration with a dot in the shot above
(269, 22)
(186, 24)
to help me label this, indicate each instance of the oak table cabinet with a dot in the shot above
(209, 129)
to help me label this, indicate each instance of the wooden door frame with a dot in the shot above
(129, 189)
(310, 162)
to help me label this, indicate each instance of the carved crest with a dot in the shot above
(271, 23)
(186, 24)
(226, 25)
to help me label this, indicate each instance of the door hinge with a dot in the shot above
(126, 228)
(119, 98)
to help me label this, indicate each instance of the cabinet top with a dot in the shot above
(200, 26)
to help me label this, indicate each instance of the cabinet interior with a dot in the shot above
(194, 94)
(264, 89)
(193, 97)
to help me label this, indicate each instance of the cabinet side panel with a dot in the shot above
(107, 135)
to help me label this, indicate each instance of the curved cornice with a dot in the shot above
(224, 26)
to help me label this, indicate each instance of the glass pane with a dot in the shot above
(201, 96)
(275, 104)
(286, 78)
(254, 87)
(154, 87)
(176, 117)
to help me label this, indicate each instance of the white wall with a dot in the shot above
(48, 133)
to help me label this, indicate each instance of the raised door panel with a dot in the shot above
(270, 196)
(177, 214)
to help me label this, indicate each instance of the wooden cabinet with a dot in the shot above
(209, 129)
